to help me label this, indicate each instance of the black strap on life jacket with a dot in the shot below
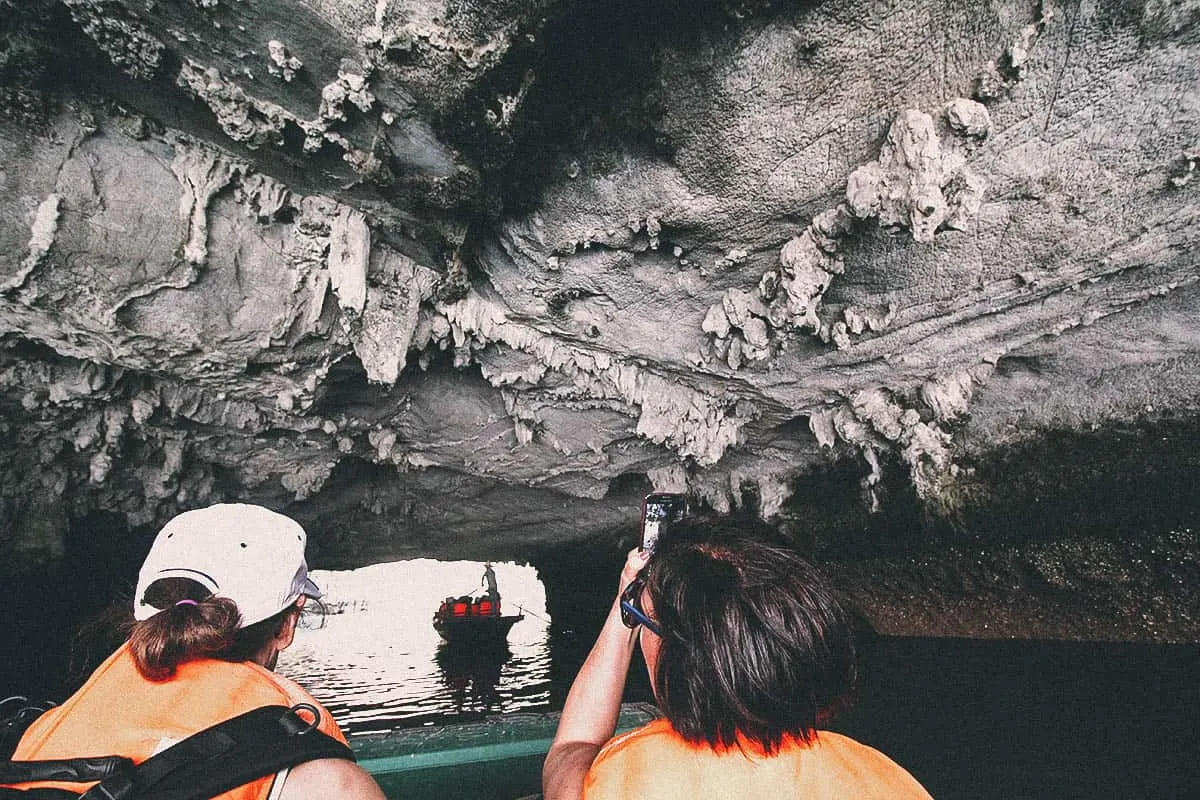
(17, 713)
(74, 770)
(215, 760)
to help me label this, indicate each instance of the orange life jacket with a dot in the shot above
(118, 712)
(656, 763)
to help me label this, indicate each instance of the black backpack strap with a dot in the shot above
(233, 753)
(208, 763)
(75, 770)
(17, 713)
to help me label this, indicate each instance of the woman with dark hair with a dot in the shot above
(749, 654)
(218, 597)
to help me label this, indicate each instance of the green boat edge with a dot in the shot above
(498, 758)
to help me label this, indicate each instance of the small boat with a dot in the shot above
(473, 620)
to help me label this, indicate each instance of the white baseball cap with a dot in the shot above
(249, 554)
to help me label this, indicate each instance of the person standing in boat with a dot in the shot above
(748, 653)
(218, 597)
(492, 592)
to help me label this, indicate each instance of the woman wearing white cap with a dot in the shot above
(218, 598)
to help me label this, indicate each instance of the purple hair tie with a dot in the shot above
(187, 603)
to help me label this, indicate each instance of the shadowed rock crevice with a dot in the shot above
(583, 80)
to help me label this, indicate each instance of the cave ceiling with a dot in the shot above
(428, 272)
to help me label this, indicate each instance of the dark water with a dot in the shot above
(1020, 719)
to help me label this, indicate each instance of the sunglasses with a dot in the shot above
(631, 607)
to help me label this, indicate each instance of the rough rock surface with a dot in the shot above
(444, 276)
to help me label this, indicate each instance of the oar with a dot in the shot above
(524, 610)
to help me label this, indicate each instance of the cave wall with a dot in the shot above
(455, 277)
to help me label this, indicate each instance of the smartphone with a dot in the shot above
(657, 509)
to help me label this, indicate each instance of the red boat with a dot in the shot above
(477, 620)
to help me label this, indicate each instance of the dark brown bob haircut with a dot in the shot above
(755, 644)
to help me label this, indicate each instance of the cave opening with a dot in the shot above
(373, 644)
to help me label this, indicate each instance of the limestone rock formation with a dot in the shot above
(442, 274)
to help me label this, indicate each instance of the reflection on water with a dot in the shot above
(378, 664)
(473, 674)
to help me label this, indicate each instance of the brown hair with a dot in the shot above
(755, 643)
(206, 627)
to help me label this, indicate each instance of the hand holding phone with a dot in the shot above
(658, 509)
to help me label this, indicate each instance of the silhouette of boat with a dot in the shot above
(468, 620)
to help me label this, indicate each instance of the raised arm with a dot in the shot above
(589, 717)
